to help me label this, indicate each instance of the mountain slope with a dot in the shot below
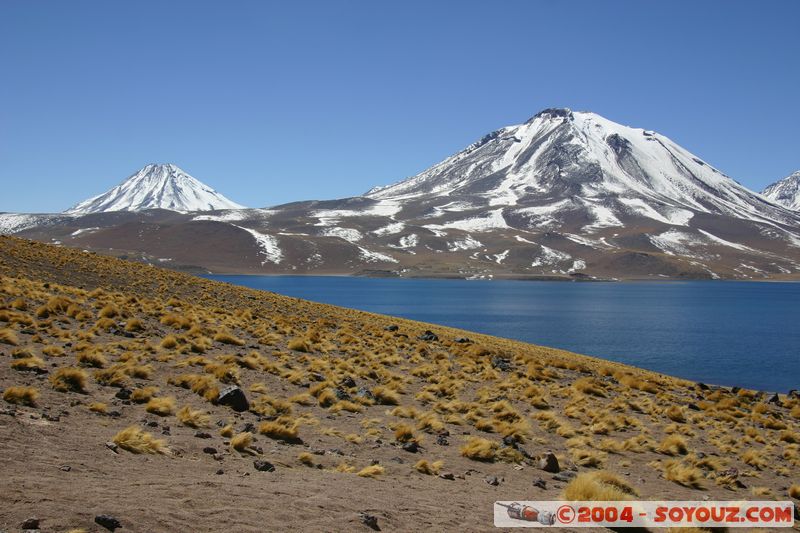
(785, 192)
(566, 195)
(560, 154)
(157, 187)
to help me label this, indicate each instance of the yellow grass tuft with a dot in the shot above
(161, 406)
(69, 379)
(673, 445)
(794, 492)
(385, 396)
(427, 468)
(372, 471)
(280, 429)
(95, 360)
(135, 440)
(226, 431)
(242, 441)
(226, 338)
(21, 395)
(298, 345)
(479, 449)
(599, 486)
(306, 459)
(8, 336)
(98, 407)
(683, 474)
(143, 394)
(194, 418)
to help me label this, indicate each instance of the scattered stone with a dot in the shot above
(210, 450)
(112, 446)
(549, 463)
(541, 483)
(263, 466)
(492, 480)
(233, 397)
(565, 476)
(775, 399)
(735, 390)
(441, 440)
(364, 392)
(107, 521)
(703, 386)
(391, 327)
(693, 406)
(447, 475)
(123, 394)
(152, 424)
(501, 363)
(341, 394)
(66, 468)
(411, 447)
(202, 435)
(428, 336)
(462, 340)
(249, 427)
(348, 382)
(371, 521)
(317, 451)
(30, 523)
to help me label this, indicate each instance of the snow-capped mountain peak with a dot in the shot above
(785, 192)
(157, 186)
(563, 154)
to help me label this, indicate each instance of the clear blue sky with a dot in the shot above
(271, 102)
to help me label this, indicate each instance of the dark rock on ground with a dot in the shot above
(107, 521)
(411, 447)
(447, 475)
(501, 363)
(549, 463)
(391, 327)
(210, 450)
(541, 483)
(371, 521)
(123, 394)
(341, 394)
(30, 523)
(263, 466)
(565, 476)
(233, 397)
(492, 480)
(428, 336)
(347, 382)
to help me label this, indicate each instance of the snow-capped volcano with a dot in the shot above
(157, 187)
(582, 161)
(786, 191)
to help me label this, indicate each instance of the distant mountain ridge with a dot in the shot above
(785, 192)
(564, 195)
(157, 186)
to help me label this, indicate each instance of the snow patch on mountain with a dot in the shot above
(268, 246)
(467, 243)
(347, 234)
(492, 220)
(550, 256)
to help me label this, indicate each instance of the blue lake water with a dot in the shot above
(727, 333)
